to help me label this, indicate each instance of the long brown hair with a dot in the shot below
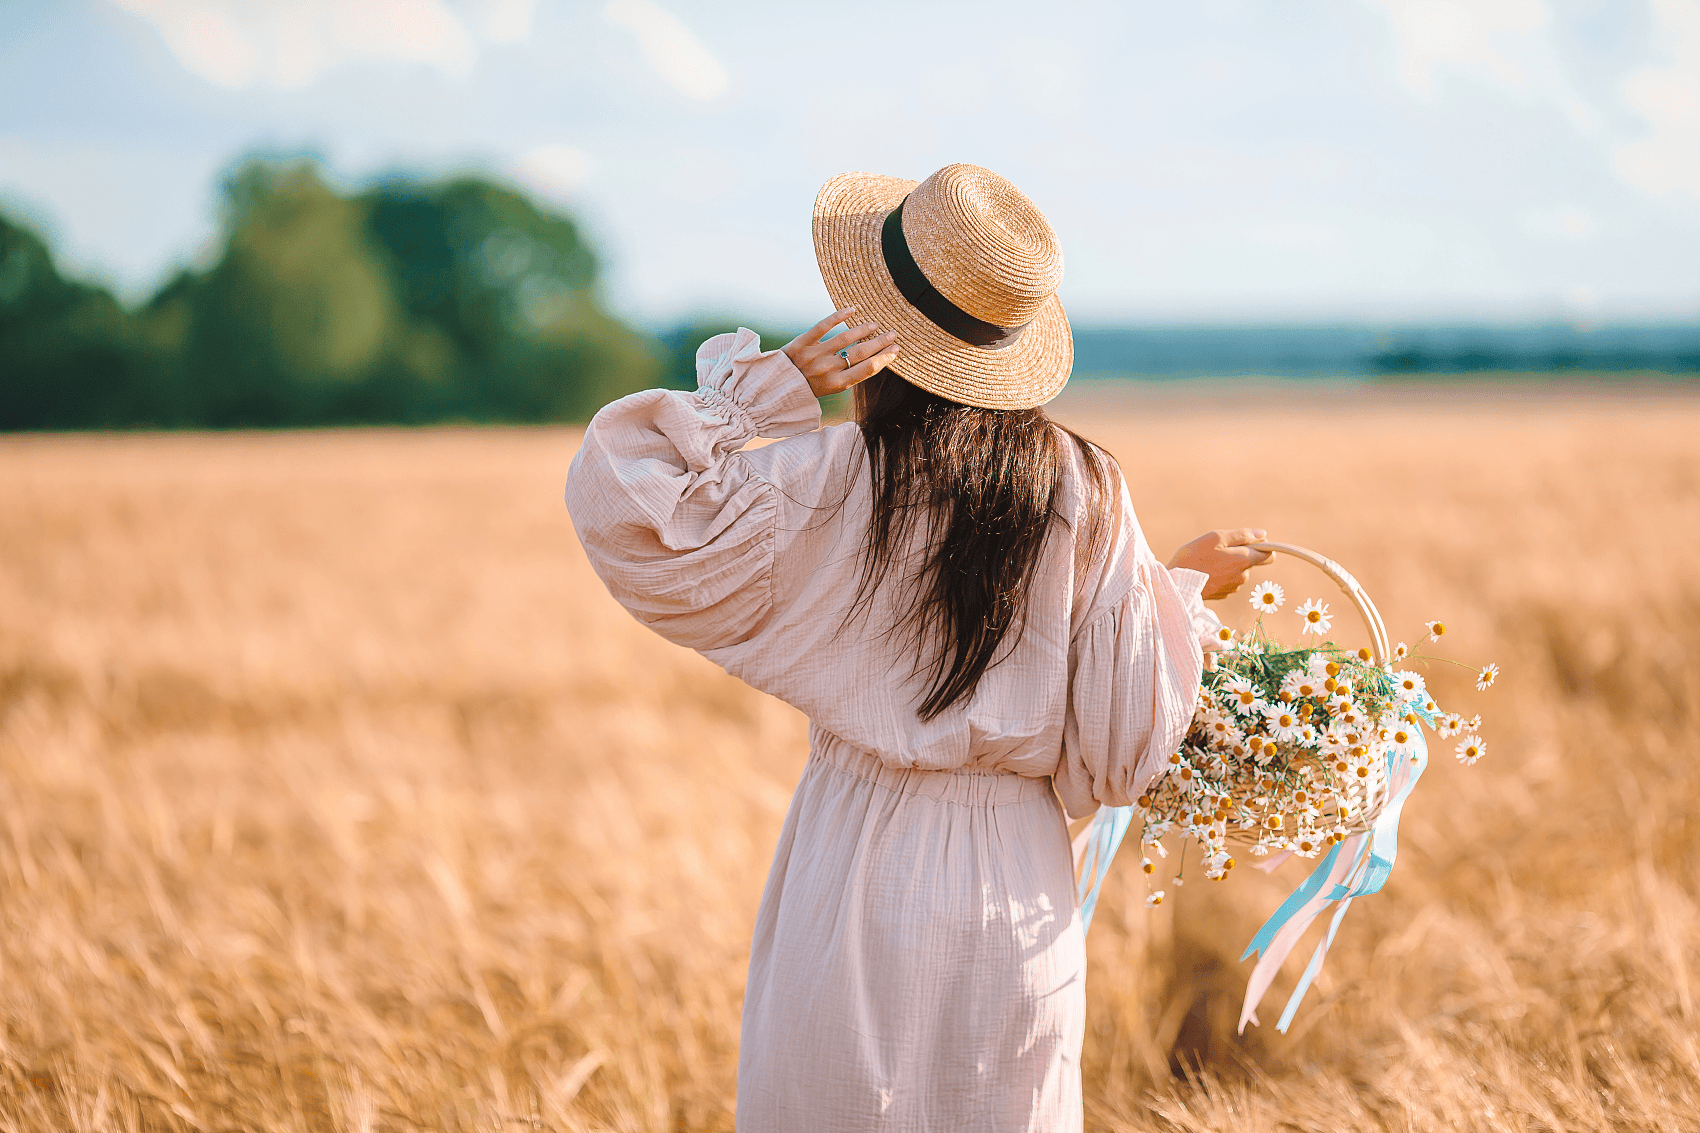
(985, 483)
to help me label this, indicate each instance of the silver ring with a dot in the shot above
(845, 354)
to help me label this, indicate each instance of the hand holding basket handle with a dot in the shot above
(1226, 556)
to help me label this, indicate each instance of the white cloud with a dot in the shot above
(1559, 222)
(505, 21)
(1509, 44)
(1476, 37)
(288, 44)
(676, 54)
(552, 171)
(1665, 160)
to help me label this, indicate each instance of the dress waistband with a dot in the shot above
(963, 786)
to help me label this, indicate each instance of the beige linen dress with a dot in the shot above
(918, 962)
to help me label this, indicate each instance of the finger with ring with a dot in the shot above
(862, 351)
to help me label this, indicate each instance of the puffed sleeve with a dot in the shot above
(1134, 669)
(674, 519)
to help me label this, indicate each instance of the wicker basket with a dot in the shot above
(1376, 792)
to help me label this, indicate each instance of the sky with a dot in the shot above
(1215, 161)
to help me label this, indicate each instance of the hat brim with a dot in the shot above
(849, 212)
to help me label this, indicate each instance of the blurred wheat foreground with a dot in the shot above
(336, 794)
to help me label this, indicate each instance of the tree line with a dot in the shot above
(408, 302)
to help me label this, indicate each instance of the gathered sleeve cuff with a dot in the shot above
(1134, 670)
(674, 519)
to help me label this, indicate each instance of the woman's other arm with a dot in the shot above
(1134, 666)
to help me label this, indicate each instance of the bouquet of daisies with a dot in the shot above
(1306, 751)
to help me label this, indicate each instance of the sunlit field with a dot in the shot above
(336, 793)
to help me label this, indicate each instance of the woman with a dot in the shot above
(956, 592)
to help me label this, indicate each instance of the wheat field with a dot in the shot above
(336, 794)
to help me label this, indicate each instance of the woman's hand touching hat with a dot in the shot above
(835, 364)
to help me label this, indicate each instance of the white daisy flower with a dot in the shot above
(1449, 725)
(1470, 749)
(1245, 700)
(1485, 678)
(1154, 900)
(1224, 732)
(1146, 865)
(1283, 722)
(1316, 617)
(1267, 596)
(1435, 630)
(1225, 636)
(1401, 651)
(1318, 664)
(1408, 686)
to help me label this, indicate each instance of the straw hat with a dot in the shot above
(964, 268)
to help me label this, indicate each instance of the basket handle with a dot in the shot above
(1378, 642)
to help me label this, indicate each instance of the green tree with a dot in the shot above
(295, 317)
(511, 290)
(408, 302)
(68, 358)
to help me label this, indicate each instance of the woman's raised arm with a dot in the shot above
(673, 518)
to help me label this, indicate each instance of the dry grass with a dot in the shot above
(336, 794)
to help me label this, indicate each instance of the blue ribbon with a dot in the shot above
(1295, 901)
(1109, 827)
(1383, 850)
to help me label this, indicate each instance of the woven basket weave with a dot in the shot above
(1376, 794)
